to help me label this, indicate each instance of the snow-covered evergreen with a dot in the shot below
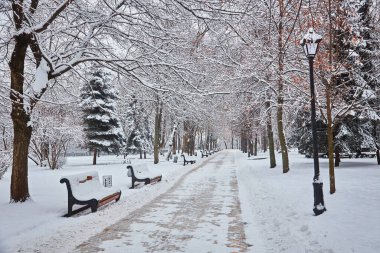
(102, 125)
(356, 129)
(138, 130)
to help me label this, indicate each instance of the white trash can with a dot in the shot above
(107, 181)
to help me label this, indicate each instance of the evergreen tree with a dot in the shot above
(102, 125)
(301, 135)
(139, 134)
(360, 79)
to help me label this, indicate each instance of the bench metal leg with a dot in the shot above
(94, 206)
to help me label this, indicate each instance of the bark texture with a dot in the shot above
(272, 156)
(21, 122)
(157, 130)
(280, 97)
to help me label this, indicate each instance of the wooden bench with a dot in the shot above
(86, 189)
(203, 154)
(187, 161)
(141, 173)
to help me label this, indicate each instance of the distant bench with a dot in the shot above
(86, 189)
(187, 161)
(203, 154)
(141, 173)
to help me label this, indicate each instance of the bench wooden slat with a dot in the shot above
(109, 198)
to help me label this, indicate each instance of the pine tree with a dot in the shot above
(360, 79)
(301, 135)
(139, 134)
(102, 125)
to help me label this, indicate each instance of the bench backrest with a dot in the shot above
(142, 170)
(84, 183)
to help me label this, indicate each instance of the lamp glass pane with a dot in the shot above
(312, 48)
(305, 49)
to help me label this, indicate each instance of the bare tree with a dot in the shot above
(50, 39)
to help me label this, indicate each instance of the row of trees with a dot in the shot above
(106, 126)
(347, 70)
(219, 67)
(50, 45)
(132, 133)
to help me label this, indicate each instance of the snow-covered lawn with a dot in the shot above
(38, 225)
(276, 207)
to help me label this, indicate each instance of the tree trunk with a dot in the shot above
(244, 142)
(250, 152)
(330, 129)
(157, 130)
(272, 156)
(192, 143)
(174, 144)
(201, 141)
(185, 138)
(280, 98)
(5, 145)
(21, 119)
(94, 157)
(330, 140)
(163, 137)
(337, 158)
(255, 149)
(179, 144)
(21, 140)
(264, 141)
(44, 150)
(251, 147)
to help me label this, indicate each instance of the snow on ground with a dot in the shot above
(276, 207)
(37, 225)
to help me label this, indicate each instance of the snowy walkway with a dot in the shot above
(200, 213)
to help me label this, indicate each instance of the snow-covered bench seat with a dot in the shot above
(141, 173)
(187, 161)
(86, 189)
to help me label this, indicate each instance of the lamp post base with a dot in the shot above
(319, 204)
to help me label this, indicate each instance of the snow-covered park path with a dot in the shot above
(200, 213)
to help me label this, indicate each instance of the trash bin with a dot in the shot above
(175, 159)
(107, 181)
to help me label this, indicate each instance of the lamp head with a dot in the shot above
(310, 43)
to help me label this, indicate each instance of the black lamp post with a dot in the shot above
(310, 45)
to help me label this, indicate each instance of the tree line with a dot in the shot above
(220, 70)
